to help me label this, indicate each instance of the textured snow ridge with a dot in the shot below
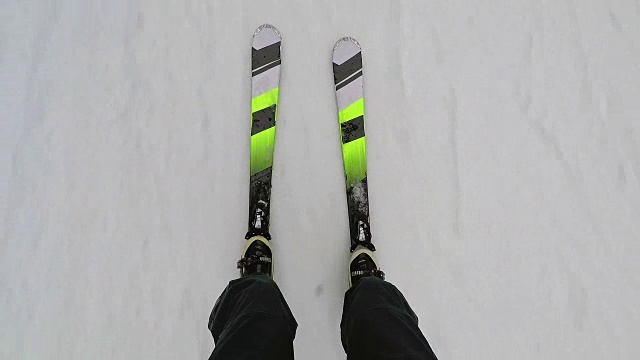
(503, 144)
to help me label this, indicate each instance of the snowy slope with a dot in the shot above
(504, 172)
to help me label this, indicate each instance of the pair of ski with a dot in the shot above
(347, 73)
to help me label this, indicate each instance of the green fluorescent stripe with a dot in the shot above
(262, 150)
(262, 142)
(264, 100)
(354, 155)
(352, 111)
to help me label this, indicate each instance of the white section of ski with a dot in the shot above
(349, 93)
(265, 35)
(265, 81)
(344, 49)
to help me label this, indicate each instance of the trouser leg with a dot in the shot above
(251, 320)
(378, 323)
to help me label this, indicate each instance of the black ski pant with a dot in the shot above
(251, 320)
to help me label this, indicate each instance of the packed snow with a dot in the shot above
(504, 172)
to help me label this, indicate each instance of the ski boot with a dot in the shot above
(363, 262)
(257, 258)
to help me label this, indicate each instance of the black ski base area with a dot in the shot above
(260, 201)
(358, 209)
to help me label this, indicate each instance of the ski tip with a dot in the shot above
(272, 29)
(266, 35)
(347, 39)
(345, 49)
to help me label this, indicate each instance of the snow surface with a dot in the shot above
(504, 172)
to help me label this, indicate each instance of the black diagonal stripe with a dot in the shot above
(263, 177)
(264, 56)
(344, 70)
(265, 68)
(352, 129)
(263, 119)
(349, 80)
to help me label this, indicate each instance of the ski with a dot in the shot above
(347, 75)
(265, 79)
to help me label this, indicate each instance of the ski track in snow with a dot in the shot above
(503, 147)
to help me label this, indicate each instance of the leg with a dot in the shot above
(251, 320)
(378, 323)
